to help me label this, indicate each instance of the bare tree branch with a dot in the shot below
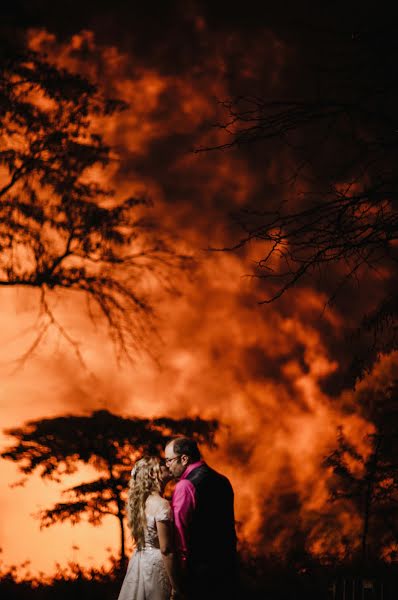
(59, 229)
(342, 143)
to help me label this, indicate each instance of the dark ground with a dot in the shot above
(260, 578)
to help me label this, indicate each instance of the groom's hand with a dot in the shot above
(177, 595)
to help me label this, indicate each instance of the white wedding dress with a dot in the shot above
(146, 577)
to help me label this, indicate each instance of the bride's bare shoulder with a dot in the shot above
(159, 508)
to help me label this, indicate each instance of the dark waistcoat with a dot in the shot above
(211, 533)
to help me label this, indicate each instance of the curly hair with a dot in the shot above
(145, 479)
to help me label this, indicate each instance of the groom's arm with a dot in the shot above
(183, 504)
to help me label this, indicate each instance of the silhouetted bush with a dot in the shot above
(261, 578)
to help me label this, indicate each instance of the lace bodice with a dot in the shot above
(157, 509)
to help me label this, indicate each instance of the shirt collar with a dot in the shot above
(191, 467)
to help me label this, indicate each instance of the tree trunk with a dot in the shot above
(369, 496)
(365, 529)
(119, 515)
(123, 557)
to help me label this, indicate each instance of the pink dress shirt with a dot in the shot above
(183, 505)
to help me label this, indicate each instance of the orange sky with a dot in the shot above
(259, 370)
(206, 368)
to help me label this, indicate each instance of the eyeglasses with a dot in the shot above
(168, 461)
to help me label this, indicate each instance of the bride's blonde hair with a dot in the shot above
(145, 479)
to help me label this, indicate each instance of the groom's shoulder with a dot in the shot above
(184, 494)
(206, 473)
(219, 479)
(183, 485)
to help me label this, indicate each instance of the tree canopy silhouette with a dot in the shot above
(60, 227)
(110, 443)
(368, 480)
(333, 217)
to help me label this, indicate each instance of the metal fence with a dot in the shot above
(361, 588)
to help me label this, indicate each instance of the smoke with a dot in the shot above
(260, 370)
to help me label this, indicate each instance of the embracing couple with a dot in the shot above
(187, 549)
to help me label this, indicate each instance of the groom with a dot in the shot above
(203, 507)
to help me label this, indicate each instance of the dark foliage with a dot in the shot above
(110, 443)
(260, 578)
(369, 481)
(61, 228)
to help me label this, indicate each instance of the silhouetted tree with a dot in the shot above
(335, 214)
(370, 480)
(110, 443)
(60, 227)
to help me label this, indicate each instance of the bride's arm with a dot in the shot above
(167, 548)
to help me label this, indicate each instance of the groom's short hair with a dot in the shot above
(184, 445)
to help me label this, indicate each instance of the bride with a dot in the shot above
(151, 572)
